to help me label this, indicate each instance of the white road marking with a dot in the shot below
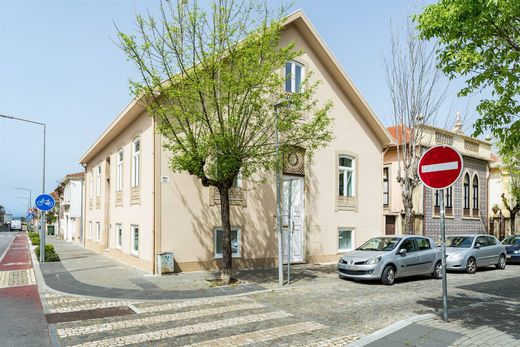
(452, 165)
(130, 323)
(184, 330)
(261, 335)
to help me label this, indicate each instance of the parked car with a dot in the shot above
(390, 257)
(512, 244)
(469, 252)
(16, 224)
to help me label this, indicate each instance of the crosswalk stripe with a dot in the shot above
(261, 335)
(184, 330)
(129, 323)
(184, 304)
(88, 305)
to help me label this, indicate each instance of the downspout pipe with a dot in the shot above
(83, 204)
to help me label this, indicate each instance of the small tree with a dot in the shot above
(511, 201)
(416, 92)
(211, 80)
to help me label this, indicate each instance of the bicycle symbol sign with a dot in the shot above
(44, 202)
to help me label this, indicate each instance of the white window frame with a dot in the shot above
(352, 239)
(119, 170)
(91, 184)
(136, 162)
(90, 230)
(239, 243)
(133, 228)
(293, 76)
(237, 183)
(98, 181)
(98, 231)
(386, 191)
(472, 189)
(346, 169)
(119, 235)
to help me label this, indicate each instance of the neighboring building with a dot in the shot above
(136, 207)
(466, 201)
(2, 214)
(70, 207)
(499, 181)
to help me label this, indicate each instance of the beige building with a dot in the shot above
(466, 201)
(137, 208)
(69, 201)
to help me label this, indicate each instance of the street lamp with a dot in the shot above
(278, 196)
(42, 219)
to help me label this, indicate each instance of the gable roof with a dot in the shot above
(397, 131)
(298, 19)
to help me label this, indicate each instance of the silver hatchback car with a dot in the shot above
(467, 252)
(389, 257)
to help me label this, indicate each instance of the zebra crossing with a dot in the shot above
(229, 321)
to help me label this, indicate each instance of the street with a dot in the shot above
(326, 311)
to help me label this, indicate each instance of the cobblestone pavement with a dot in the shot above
(324, 311)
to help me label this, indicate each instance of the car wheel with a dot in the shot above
(437, 271)
(501, 262)
(471, 266)
(388, 277)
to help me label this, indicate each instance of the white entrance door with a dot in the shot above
(293, 217)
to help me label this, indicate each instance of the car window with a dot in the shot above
(409, 245)
(422, 244)
(512, 240)
(459, 241)
(481, 240)
(491, 240)
(380, 244)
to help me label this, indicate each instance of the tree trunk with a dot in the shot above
(409, 219)
(226, 265)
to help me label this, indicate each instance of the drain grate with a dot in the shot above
(53, 318)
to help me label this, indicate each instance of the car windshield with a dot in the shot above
(459, 241)
(512, 240)
(380, 244)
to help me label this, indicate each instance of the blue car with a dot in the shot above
(512, 244)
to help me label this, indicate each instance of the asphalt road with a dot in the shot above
(5, 240)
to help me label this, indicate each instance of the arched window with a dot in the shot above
(475, 193)
(466, 194)
(136, 159)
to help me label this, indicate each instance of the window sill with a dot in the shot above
(342, 251)
(220, 257)
(470, 218)
(436, 216)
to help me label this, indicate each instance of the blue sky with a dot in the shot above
(59, 65)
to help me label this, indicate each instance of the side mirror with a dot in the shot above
(402, 252)
(478, 245)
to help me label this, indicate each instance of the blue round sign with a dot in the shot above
(44, 202)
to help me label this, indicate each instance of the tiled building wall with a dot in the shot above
(459, 224)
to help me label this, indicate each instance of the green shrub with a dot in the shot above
(50, 254)
(33, 234)
(35, 240)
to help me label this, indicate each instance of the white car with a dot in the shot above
(16, 224)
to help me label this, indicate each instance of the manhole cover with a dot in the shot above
(53, 318)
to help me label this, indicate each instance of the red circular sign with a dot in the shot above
(440, 167)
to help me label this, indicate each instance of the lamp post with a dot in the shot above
(278, 196)
(42, 219)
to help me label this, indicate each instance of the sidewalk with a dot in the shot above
(83, 272)
(22, 321)
(492, 323)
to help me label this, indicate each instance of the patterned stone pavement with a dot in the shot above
(329, 312)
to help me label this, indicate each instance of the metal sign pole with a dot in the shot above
(443, 248)
(42, 236)
(290, 225)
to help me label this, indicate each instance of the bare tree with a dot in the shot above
(417, 91)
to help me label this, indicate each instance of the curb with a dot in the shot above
(389, 330)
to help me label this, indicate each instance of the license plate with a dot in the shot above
(508, 256)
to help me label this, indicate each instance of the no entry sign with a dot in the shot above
(440, 167)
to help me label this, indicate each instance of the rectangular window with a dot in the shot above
(119, 235)
(346, 176)
(449, 197)
(136, 158)
(293, 77)
(437, 199)
(119, 171)
(98, 181)
(386, 187)
(98, 231)
(218, 236)
(91, 184)
(90, 230)
(135, 239)
(345, 240)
